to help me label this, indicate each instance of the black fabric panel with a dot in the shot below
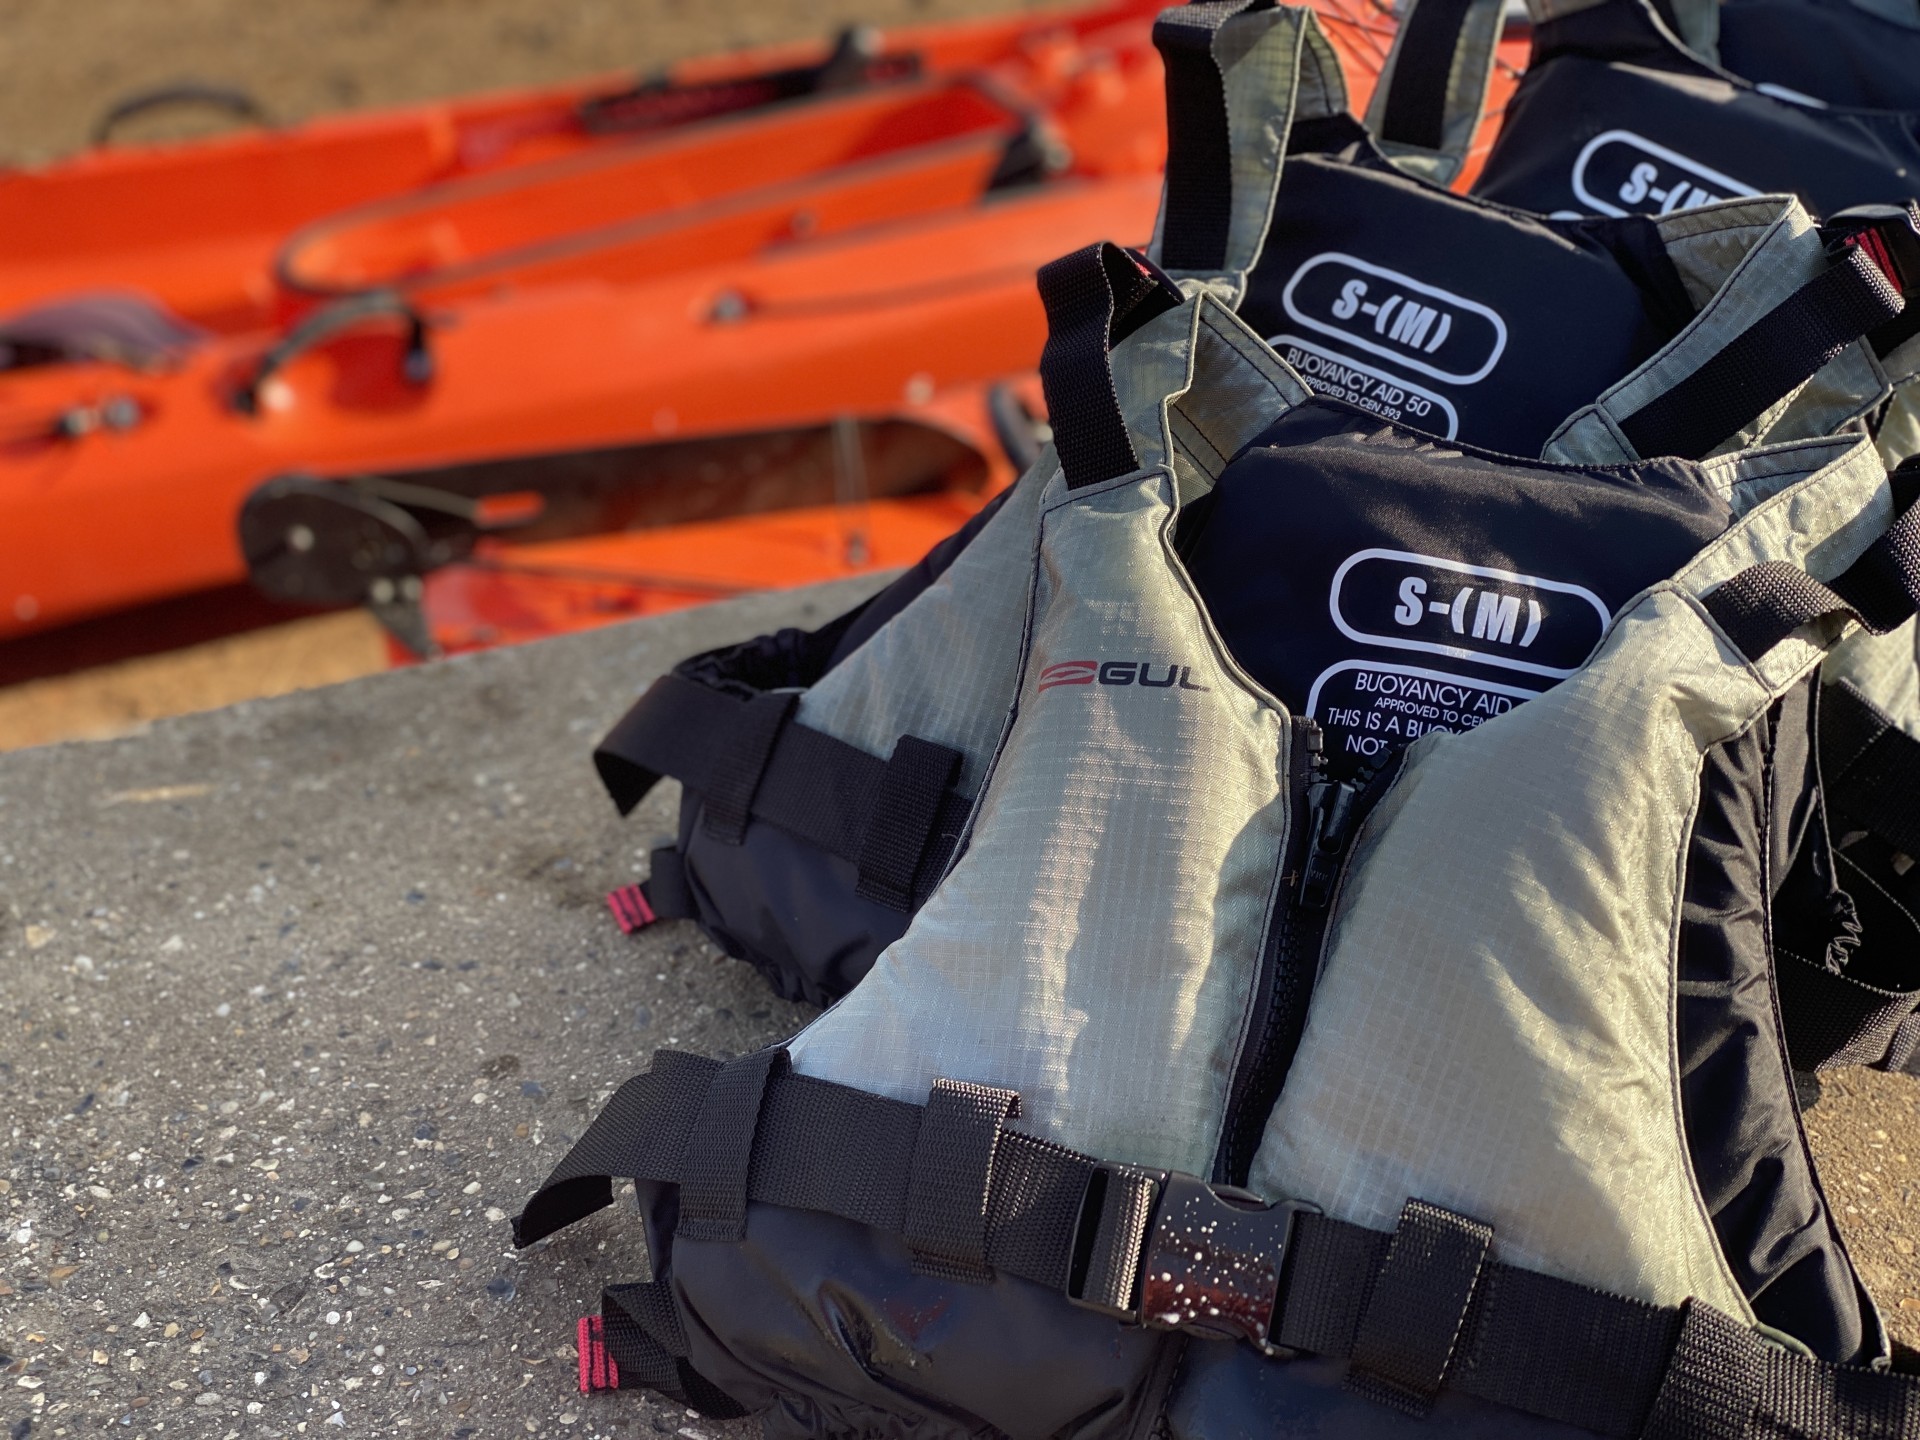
(1228, 1392)
(1830, 49)
(1447, 314)
(1612, 118)
(793, 911)
(1744, 1138)
(1477, 581)
(824, 1326)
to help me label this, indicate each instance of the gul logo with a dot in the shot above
(1116, 672)
(1621, 173)
(1421, 327)
(1405, 601)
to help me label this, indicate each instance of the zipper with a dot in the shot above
(1326, 815)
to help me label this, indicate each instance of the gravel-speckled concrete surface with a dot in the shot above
(299, 1000)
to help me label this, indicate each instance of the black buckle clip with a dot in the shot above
(1211, 1262)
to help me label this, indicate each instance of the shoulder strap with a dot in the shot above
(1765, 603)
(1432, 93)
(1240, 74)
(1740, 358)
(1094, 298)
(1415, 1312)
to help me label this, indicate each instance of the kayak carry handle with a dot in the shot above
(323, 325)
(237, 103)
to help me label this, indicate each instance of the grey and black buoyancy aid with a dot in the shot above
(826, 774)
(1210, 1096)
(1617, 115)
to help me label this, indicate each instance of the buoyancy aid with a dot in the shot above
(1209, 1096)
(1621, 110)
(826, 774)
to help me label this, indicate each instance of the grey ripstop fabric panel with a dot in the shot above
(1095, 947)
(1546, 957)
(1760, 251)
(943, 668)
(1276, 66)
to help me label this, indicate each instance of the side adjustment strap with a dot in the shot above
(892, 819)
(1713, 1382)
(1418, 1306)
(737, 765)
(952, 1176)
(713, 1174)
(905, 813)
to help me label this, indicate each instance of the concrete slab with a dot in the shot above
(299, 1000)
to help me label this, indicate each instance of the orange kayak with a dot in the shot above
(196, 227)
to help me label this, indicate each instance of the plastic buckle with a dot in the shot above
(1214, 1261)
(1090, 1255)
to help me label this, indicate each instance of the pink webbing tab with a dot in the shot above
(597, 1370)
(630, 908)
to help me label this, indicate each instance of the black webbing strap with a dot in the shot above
(1416, 106)
(892, 819)
(666, 889)
(1763, 604)
(642, 1358)
(1869, 768)
(641, 1327)
(951, 1176)
(735, 769)
(1769, 360)
(1412, 1321)
(1532, 1342)
(642, 1131)
(1093, 298)
(906, 809)
(1198, 211)
(719, 1152)
(1834, 1019)
(1713, 1383)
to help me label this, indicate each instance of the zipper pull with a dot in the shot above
(1330, 804)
